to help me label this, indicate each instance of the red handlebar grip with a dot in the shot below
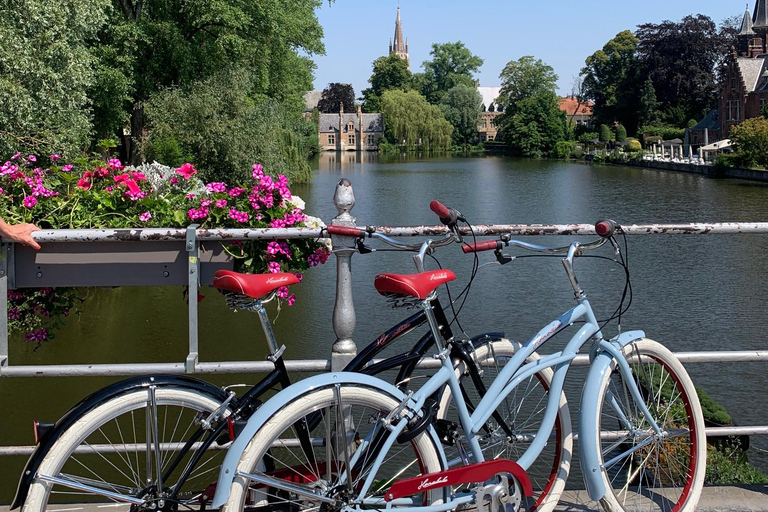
(344, 231)
(605, 228)
(440, 209)
(488, 245)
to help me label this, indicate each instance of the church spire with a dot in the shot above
(398, 47)
(760, 19)
(746, 24)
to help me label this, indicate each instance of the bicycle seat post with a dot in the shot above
(258, 306)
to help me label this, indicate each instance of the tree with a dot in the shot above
(461, 107)
(155, 44)
(525, 78)
(649, 107)
(751, 140)
(621, 133)
(46, 71)
(390, 72)
(219, 125)
(335, 94)
(410, 119)
(452, 64)
(534, 126)
(611, 81)
(681, 59)
(532, 122)
(605, 133)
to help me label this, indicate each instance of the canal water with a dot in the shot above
(690, 292)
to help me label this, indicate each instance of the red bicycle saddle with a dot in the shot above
(412, 285)
(252, 285)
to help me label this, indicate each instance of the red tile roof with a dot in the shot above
(569, 105)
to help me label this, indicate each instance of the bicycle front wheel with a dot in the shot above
(509, 432)
(109, 455)
(346, 433)
(641, 470)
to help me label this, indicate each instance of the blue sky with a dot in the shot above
(561, 33)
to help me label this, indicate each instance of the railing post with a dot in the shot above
(193, 280)
(6, 252)
(344, 349)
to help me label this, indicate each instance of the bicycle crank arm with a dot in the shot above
(286, 486)
(471, 474)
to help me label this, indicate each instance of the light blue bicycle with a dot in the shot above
(641, 430)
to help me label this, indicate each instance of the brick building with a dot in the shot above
(350, 132)
(745, 91)
(490, 111)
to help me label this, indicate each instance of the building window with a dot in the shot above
(485, 123)
(351, 139)
(351, 127)
(733, 82)
(490, 137)
(371, 140)
(738, 110)
(762, 104)
(332, 139)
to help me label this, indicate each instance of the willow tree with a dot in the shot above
(409, 119)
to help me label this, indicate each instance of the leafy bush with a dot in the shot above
(605, 133)
(728, 465)
(93, 194)
(563, 149)
(725, 160)
(751, 140)
(587, 137)
(223, 128)
(663, 131)
(634, 144)
(621, 133)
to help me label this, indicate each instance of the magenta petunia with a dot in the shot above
(54, 157)
(67, 168)
(186, 171)
(30, 201)
(144, 217)
(32, 158)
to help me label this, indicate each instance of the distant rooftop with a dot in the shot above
(569, 104)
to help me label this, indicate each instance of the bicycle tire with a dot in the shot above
(667, 474)
(522, 410)
(271, 446)
(121, 422)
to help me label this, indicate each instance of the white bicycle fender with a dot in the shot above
(589, 441)
(274, 404)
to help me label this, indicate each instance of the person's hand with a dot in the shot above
(21, 233)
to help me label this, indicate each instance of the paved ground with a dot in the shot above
(714, 499)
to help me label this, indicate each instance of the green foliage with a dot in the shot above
(461, 107)
(664, 131)
(46, 71)
(751, 141)
(334, 95)
(410, 119)
(452, 64)
(588, 137)
(728, 465)
(605, 133)
(525, 78)
(225, 127)
(728, 160)
(649, 108)
(564, 149)
(714, 413)
(390, 72)
(610, 79)
(621, 133)
(634, 144)
(534, 126)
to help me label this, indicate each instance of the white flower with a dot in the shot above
(297, 202)
(313, 222)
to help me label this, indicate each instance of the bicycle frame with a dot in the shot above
(603, 353)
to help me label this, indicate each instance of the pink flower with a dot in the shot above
(313, 260)
(186, 171)
(67, 168)
(291, 299)
(54, 157)
(14, 314)
(16, 155)
(38, 335)
(32, 158)
(299, 276)
(236, 191)
(138, 176)
(257, 171)
(115, 164)
(282, 292)
(273, 248)
(190, 196)
(30, 201)
(274, 267)
(216, 187)
(14, 295)
(144, 217)
(221, 203)
(322, 254)
(174, 180)
(200, 213)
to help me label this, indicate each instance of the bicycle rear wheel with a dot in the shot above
(109, 456)
(346, 431)
(522, 412)
(642, 471)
